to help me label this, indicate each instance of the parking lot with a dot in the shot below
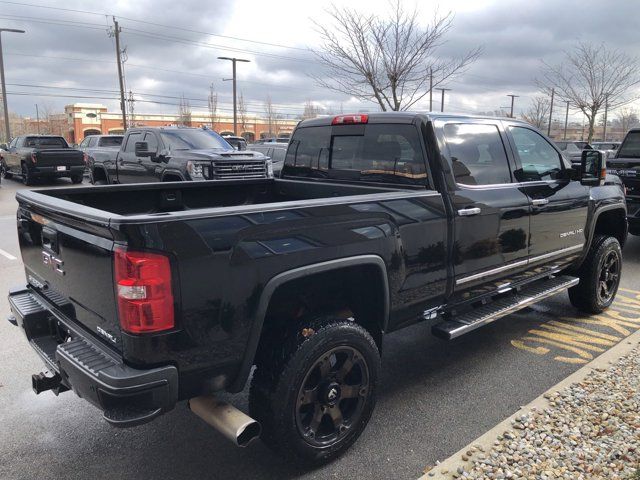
(435, 397)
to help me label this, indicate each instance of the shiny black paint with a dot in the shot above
(228, 241)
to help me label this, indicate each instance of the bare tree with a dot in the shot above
(310, 110)
(592, 76)
(626, 119)
(242, 112)
(184, 112)
(538, 113)
(212, 102)
(271, 116)
(47, 124)
(386, 59)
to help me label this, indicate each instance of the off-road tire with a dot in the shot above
(584, 296)
(76, 179)
(281, 373)
(27, 178)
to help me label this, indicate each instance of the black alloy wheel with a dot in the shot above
(609, 277)
(332, 396)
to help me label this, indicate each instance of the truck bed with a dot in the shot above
(162, 198)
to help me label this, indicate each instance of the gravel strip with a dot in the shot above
(590, 430)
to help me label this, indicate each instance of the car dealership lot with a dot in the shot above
(435, 397)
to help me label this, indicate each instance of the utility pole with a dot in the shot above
(37, 119)
(606, 110)
(431, 89)
(553, 93)
(442, 97)
(513, 97)
(235, 108)
(7, 129)
(566, 120)
(116, 34)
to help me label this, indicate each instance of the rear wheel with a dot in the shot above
(314, 393)
(4, 171)
(599, 276)
(27, 177)
(76, 179)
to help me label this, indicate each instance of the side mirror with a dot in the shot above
(593, 167)
(142, 150)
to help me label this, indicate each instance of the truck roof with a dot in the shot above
(399, 117)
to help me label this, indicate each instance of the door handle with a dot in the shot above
(468, 212)
(540, 201)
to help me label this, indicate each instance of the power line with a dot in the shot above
(154, 24)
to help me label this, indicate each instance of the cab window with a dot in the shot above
(538, 159)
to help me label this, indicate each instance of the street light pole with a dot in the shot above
(7, 129)
(513, 97)
(235, 108)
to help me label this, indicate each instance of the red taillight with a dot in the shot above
(143, 287)
(350, 119)
(33, 157)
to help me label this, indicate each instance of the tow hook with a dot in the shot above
(41, 383)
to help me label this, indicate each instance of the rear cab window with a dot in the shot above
(45, 142)
(630, 147)
(373, 152)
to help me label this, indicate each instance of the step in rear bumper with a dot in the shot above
(127, 396)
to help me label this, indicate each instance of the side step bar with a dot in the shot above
(465, 323)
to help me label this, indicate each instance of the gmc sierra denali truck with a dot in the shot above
(170, 154)
(140, 296)
(626, 165)
(45, 157)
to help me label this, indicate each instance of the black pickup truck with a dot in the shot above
(46, 157)
(626, 164)
(140, 296)
(170, 154)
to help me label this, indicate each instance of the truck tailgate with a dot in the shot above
(59, 157)
(69, 263)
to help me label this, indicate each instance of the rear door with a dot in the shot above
(559, 204)
(130, 168)
(492, 212)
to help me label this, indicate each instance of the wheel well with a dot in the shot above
(99, 174)
(356, 293)
(612, 222)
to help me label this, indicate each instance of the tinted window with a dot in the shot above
(45, 142)
(131, 141)
(193, 139)
(540, 161)
(477, 154)
(630, 148)
(111, 141)
(85, 142)
(93, 141)
(375, 152)
(152, 142)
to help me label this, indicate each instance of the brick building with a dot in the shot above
(84, 119)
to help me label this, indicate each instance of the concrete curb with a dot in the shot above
(451, 464)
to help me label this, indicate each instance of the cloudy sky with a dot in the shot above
(67, 56)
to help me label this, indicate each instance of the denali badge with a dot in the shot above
(53, 262)
(572, 232)
(104, 333)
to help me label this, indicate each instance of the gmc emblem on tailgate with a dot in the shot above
(53, 262)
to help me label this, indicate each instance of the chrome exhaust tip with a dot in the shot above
(235, 425)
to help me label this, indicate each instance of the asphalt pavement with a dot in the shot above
(435, 397)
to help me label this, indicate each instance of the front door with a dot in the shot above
(559, 204)
(492, 213)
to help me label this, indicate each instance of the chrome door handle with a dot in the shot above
(467, 212)
(540, 201)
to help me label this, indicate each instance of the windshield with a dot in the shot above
(630, 148)
(114, 141)
(45, 142)
(193, 139)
